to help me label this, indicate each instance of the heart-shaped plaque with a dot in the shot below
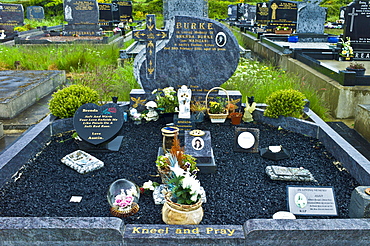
(98, 124)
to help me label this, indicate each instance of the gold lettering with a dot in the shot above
(178, 231)
(160, 231)
(186, 231)
(208, 230)
(136, 230)
(210, 26)
(193, 25)
(195, 231)
(153, 230)
(145, 231)
(231, 232)
(178, 25)
(201, 26)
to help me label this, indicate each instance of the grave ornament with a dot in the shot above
(184, 97)
(82, 162)
(246, 140)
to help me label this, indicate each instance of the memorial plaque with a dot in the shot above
(35, 13)
(246, 140)
(282, 13)
(262, 13)
(98, 124)
(11, 16)
(122, 11)
(312, 200)
(105, 14)
(357, 19)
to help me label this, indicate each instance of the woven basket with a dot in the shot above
(218, 118)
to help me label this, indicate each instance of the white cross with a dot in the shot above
(353, 14)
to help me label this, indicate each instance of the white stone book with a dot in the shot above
(82, 162)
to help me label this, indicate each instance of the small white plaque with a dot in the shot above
(312, 200)
(75, 199)
(246, 140)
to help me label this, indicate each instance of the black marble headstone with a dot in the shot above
(262, 13)
(122, 11)
(282, 13)
(200, 52)
(82, 17)
(232, 12)
(11, 15)
(357, 20)
(105, 14)
(98, 124)
(35, 13)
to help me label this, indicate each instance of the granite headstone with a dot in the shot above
(232, 12)
(11, 15)
(357, 20)
(262, 13)
(82, 17)
(35, 13)
(282, 13)
(105, 14)
(195, 8)
(310, 18)
(122, 11)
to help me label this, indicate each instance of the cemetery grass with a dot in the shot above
(238, 191)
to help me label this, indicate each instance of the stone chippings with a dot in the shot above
(238, 191)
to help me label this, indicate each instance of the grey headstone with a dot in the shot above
(359, 206)
(200, 52)
(35, 13)
(82, 17)
(12, 15)
(311, 18)
(195, 8)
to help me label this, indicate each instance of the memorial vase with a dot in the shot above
(179, 214)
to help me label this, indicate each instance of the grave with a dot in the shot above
(11, 16)
(232, 12)
(82, 17)
(282, 13)
(35, 13)
(105, 15)
(194, 8)
(356, 17)
(99, 127)
(122, 11)
(262, 14)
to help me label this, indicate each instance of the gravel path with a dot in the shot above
(238, 191)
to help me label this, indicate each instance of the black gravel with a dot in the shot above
(238, 191)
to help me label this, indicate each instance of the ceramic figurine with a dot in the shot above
(250, 107)
(152, 113)
(184, 97)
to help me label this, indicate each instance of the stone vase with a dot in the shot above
(179, 214)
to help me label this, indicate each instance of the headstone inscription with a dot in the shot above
(312, 200)
(105, 15)
(310, 18)
(262, 13)
(11, 15)
(82, 17)
(198, 144)
(357, 17)
(282, 13)
(98, 126)
(35, 13)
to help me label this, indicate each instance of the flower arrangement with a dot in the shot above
(356, 65)
(185, 188)
(186, 162)
(148, 186)
(347, 50)
(218, 106)
(166, 99)
(198, 106)
(285, 28)
(123, 200)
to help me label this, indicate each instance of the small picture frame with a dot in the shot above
(246, 140)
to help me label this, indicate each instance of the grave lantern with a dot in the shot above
(123, 197)
(168, 133)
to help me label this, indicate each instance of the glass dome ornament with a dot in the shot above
(123, 197)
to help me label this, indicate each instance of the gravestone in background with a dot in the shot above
(195, 8)
(282, 13)
(357, 21)
(232, 12)
(122, 11)
(35, 13)
(99, 126)
(105, 15)
(82, 17)
(11, 15)
(310, 18)
(250, 12)
(262, 13)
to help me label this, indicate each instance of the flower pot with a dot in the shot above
(359, 72)
(283, 31)
(217, 118)
(179, 214)
(345, 58)
(236, 118)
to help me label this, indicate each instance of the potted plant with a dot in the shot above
(167, 102)
(183, 203)
(287, 102)
(346, 53)
(198, 108)
(217, 110)
(283, 30)
(358, 68)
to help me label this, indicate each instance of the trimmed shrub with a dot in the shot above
(66, 101)
(286, 103)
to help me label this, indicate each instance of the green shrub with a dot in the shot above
(286, 103)
(66, 101)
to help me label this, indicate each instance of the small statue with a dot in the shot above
(250, 107)
(184, 97)
(152, 113)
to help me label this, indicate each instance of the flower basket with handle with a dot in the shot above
(218, 117)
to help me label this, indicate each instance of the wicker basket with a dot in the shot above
(218, 118)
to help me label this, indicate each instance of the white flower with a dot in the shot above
(191, 183)
(148, 185)
(177, 170)
(155, 91)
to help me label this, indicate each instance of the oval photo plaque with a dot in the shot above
(246, 140)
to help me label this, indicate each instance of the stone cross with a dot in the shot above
(353, 14)
(150, 34)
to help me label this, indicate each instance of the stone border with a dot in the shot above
(112, 231)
